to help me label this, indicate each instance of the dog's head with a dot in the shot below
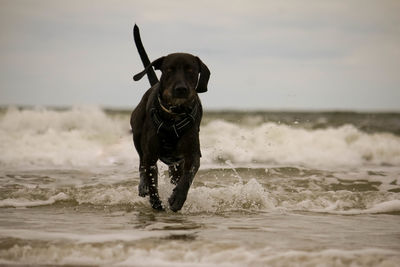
(183, 76)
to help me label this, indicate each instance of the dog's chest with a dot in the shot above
(169, 132)
(168, 152)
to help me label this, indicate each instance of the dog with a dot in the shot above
(166, 123)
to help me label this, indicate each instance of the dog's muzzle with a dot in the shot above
(180, 92)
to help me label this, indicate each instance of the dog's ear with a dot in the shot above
(156, 64)
(204, 77)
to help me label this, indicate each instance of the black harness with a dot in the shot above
(171, 126)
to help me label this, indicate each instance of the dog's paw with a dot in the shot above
(143, 189)
(156, 203)
(176, 200)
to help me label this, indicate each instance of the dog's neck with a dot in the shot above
(175, 110)
(169, 110)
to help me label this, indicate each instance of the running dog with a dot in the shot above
(166, 123)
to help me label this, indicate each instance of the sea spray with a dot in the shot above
(345, 146)
(82, 136)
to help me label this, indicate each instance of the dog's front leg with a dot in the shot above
(190, 166)
(149, 185)
(176, 172)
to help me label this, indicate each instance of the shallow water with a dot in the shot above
(270, 192)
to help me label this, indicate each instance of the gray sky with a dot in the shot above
(306, 55)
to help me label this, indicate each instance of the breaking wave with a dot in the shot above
(195, 253)
(283, 144)
(249, 194)
(87, 136)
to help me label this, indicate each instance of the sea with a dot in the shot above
(274, 189)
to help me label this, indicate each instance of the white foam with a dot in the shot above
(282, 144)
(336, 257)
(81, 136)
(108, 195)
(338, 202)
(238, 196)
(24, 202)
(196, 253)
(232, 197)
(82, 238)
(86, 136)
(383, 207)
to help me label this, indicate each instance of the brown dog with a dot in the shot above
(166, 123)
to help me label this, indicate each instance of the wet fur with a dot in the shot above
(183, 77)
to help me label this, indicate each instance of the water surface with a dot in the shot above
(274, 189)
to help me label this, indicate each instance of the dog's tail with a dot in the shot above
(151, 74)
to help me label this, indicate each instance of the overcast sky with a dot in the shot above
(298, 55)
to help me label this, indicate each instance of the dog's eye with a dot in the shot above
(169, 70)
(190, 70)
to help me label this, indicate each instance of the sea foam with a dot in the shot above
(88, 137)
(194, 253)
(249, 196)
(78, 137)
(283, 144)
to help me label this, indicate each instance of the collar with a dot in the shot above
(171, 123)
(165, 109)
(176, 111)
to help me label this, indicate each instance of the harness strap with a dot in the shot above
(173, 128)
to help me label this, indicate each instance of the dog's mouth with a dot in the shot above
(177, 97)
(182, 96)
(178, 102)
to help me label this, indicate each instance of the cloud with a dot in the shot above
(279, 54)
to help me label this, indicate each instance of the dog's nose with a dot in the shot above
(181, 91)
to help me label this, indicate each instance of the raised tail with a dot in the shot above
(151, 74)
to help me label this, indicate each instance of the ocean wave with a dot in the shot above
(250, 194)
(283, 144)
(77, 137)
(88, 137)
(238, 196)
(25, 202)
(242, 196)
(195, 253)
